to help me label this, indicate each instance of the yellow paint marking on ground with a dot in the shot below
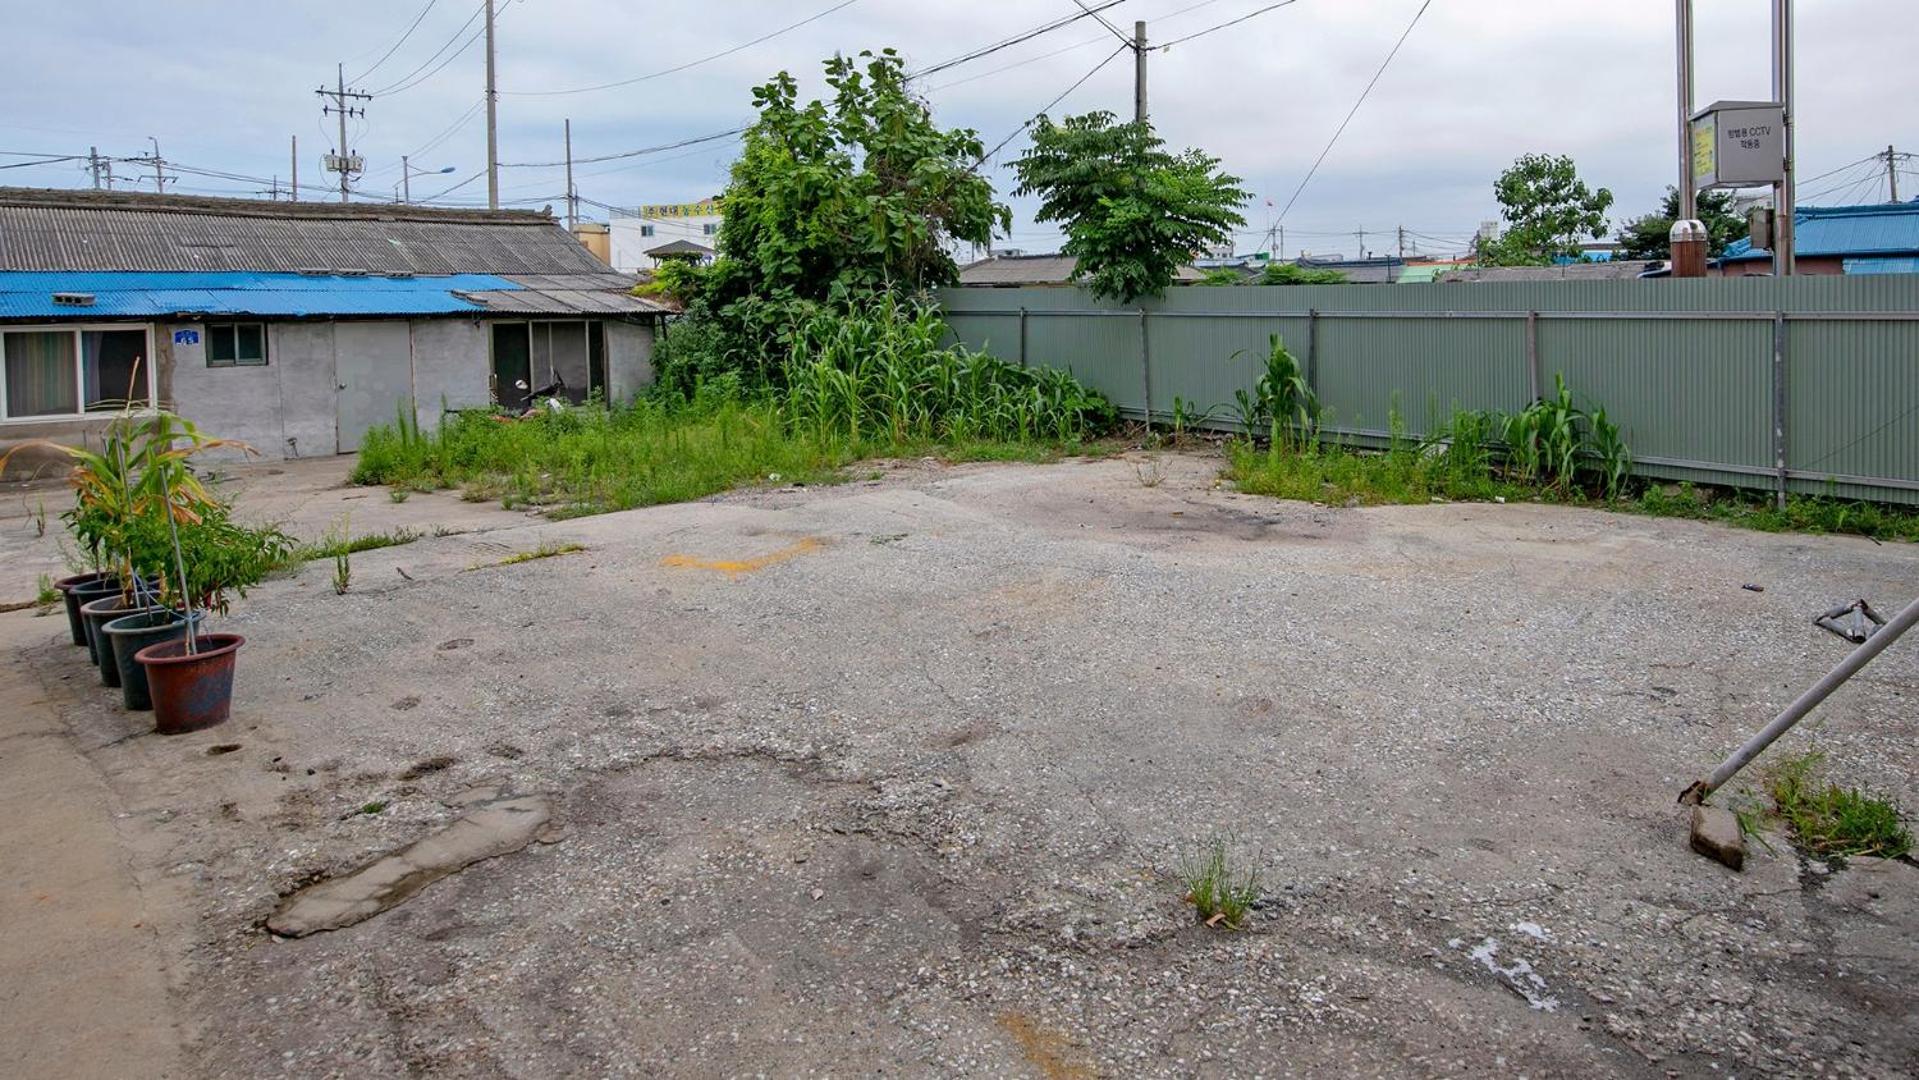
(736, 568)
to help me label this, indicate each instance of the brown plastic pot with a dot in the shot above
(190, 691)
(66, 586)
(98, 613)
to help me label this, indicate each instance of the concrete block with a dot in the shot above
(1716, 835)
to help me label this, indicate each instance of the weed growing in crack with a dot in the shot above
(1221, 892)
(1830, 821)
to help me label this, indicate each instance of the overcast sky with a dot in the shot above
(222, 84)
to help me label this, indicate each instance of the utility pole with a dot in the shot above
(1362, 241)
(1892, 175)
(93, 165)
(343, 160)
(572, 197)
(159, 172)
(1688, 196)
(1783, 259)
(1139, 71)
(492, 120)
(295, 187)
(406, 180)
(1402, 243)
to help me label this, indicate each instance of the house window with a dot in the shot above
(70, 371)
(236, 345)
(709, 229)
(646, 230)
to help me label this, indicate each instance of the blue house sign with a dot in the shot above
(186, 337)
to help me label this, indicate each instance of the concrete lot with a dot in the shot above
(893, 777)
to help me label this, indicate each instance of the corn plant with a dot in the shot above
(1282, 401)
(1612, 459)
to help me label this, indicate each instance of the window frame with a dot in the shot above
(80, 412)
(206, 347)
(595, 336)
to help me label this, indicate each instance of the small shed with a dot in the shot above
(295, 327)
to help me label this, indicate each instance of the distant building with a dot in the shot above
(1829, 240)
(638, 233)
(1013, 271)
(295, 327)
(1377, 270)
(1609, 270)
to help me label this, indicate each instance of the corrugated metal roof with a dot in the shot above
(1884, 264)
(30, 294)
(1886, 229)
(998, 270)
(87, 230)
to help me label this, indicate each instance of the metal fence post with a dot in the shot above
(1779, 405)
(1312, 350)
(1146, 367)
(1534, 376)
(1022, 335)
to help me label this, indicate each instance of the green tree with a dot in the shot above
(830, 201)
(1548, 209)
(1133, 212)
(1286, 273)
(1650, 237)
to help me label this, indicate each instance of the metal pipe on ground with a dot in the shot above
(1803, 704)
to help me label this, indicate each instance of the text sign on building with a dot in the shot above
(1739, 144)
(703, 208)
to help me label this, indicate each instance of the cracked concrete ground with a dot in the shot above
(895, 776)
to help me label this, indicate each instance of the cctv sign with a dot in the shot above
(1739, 144)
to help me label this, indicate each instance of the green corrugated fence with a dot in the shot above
(1804, 384)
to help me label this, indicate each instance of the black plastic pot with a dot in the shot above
(83, 594)
(66, 585)
(194, 691)
(98, 613)
(129, 634)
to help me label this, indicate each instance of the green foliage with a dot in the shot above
(1285, 273)
(1222, 275)
(1221, 893)
(1543, 440)
(341, 541)
(342, 572)
(879, 370)
(1802, 513)
(137, 496)
(1650, 236)
(1282, 400)
(45, 595)
(1548, 210)
(1828, 820)
(827, 201)
(1133, 213)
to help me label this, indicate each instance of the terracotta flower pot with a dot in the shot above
(190, 691)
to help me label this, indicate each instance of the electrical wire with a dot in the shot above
(988, 156)
(1417, 15)
(1227, 23)
(415, 78)
(388, 55)
(741, 130)
(689, 64)
(1022, 36)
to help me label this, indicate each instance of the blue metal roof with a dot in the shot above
(1846, 231)
(28, 294)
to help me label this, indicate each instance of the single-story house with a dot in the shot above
(295, 327)
(1607, 270)
(1013, 271)
(1879, 239)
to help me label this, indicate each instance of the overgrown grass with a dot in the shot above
(46, 597)
(1802, 513)
(1220, 892)
(339, 543)
(547, 549)
(1828, 820)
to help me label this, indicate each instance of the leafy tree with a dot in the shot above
(829, 201)
(1134, 213)
(1223, 275)
(1548, 211)
(1286, 273)
(1650, 237)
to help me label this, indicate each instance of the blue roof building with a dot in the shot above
(294, 327)
(1877, 239)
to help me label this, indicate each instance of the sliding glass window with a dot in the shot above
(55, 372)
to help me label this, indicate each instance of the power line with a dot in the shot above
(1007, 43)
(689, 64)
(1227, 23)
(384, 57)
(1049, 105)
(627, 153)
(415, 77)
(1417, 15)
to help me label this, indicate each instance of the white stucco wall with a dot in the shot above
(628, 242)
